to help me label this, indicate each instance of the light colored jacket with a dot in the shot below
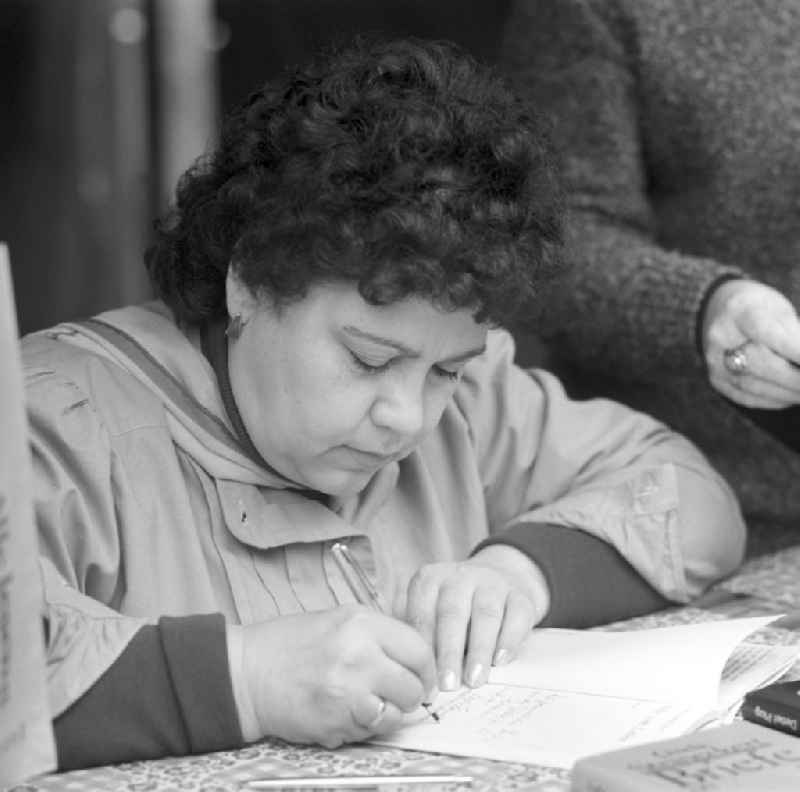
(147, 504)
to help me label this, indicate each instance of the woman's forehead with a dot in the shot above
(414, 326)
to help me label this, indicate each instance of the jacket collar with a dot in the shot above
(167, 359)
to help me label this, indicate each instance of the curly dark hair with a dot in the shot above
(404, 166)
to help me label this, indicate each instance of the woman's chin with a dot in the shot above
(341, 483)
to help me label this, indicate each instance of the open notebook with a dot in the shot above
(571, 693)
(26, 740)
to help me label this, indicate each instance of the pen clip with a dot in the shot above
(362, 576)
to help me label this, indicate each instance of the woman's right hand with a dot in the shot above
(321, 677)
(760, 322)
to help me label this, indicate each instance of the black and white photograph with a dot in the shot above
(400, 395)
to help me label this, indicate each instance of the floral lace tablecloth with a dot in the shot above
(227, 771)
(769, 584)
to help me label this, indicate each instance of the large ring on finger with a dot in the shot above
(735, 359)
(373, 724)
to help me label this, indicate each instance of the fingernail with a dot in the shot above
(475, 675)
(449, 680)
(502, 656)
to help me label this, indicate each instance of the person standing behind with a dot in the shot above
(679, 129)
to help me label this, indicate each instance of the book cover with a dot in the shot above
(776, 706)
(739, 757)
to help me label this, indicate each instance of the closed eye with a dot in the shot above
(370, 368)
(451, 375)
(378, 368)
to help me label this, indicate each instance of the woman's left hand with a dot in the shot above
(476, 613)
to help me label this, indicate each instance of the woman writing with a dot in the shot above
(325, 364)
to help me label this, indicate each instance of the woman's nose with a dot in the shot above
(401, 409)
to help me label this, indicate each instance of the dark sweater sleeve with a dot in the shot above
(627, 303)
(168, 694)
(590, 583)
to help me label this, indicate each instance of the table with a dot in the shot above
(769, 584)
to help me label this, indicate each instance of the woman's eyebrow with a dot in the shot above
(464, 356)
(406, 350)
(377, 339)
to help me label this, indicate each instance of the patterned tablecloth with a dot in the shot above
(228, 770)
(770, 584)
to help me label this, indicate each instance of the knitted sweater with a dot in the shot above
(678, 122)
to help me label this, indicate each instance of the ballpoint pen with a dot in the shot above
(355, 782)
(362, 589)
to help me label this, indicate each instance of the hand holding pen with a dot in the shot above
(474, 613)
(363, 590)
(328, 677)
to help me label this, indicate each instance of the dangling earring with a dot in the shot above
(235, 327)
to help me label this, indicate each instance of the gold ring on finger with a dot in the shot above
(373, 724)
(735, 359)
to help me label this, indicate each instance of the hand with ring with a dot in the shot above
(751, 344)
(328, 677)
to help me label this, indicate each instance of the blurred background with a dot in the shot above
(106, 102)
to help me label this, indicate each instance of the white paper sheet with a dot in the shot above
(573, 693)
(663, 663)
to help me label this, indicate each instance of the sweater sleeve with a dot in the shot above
(589, 581)
(628, 304)
(168, 693)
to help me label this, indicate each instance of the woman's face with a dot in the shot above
(331, 388)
